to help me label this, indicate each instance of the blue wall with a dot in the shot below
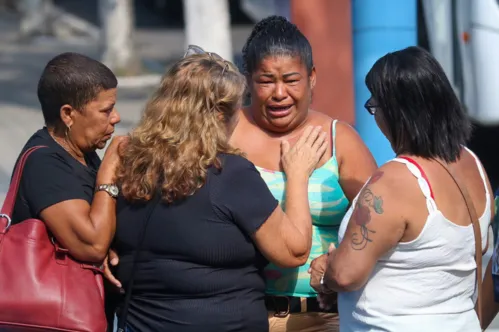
(380, 26)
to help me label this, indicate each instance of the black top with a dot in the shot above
(199, 269)
(51, 175)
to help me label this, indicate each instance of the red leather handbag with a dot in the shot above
(41, 287)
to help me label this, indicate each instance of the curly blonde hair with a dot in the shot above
(183, 130)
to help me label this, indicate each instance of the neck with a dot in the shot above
(61, 136)
(278, 133)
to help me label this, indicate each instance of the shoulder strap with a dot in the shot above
(128, 293)
(477, 233)
(421, 170)
(333, 137)
(481, 171)
(10, 198)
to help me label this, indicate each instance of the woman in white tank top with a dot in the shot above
(406, 261)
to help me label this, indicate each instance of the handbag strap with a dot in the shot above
(477, 233)
(142, 235)
(10, 198)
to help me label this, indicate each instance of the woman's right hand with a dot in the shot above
(110, 162)
(302, 158)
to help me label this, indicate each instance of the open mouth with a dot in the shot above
(279, 111)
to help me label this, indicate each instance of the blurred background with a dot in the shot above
(139, 39)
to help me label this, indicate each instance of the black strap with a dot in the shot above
(142, 235)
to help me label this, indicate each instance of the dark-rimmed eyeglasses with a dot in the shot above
(194, 49)
(370, 106)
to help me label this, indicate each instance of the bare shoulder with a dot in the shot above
(342, 128)
(379, 218)
(319, 116)
(395, 174)
(347, 132)
(396, 183)
(319, 119)
(351, 149)
(468, 158)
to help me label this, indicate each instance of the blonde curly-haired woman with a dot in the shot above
(210, 222)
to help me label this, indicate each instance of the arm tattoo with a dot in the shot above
(376, 176)
(362, 216)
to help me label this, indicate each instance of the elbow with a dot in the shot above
(299, 257)
(295, 259)
(97, 254)
(346, 285)
(344, 281)
(90, 254)
(301, 260)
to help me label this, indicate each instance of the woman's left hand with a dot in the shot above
(318, 269)
(325, 297)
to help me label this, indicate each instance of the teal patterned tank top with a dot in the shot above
(328, 205)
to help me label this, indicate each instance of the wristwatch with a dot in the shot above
(110, 188)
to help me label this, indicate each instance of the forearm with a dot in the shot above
(85, 230)
(344, 274)
(298, 212)
(103, 220)
(329, 279)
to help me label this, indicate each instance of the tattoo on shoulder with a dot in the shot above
(366, 202)
(376, 176)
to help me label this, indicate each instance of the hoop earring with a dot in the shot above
(68, 130)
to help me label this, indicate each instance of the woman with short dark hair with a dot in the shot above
(406, 259)
(77, 96)
(63, 183)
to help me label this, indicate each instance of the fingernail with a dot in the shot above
(119, 285)
(114, 261)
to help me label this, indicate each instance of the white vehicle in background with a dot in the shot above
(464, 37)
(484, 60)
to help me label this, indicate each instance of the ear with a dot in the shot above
(249, 82)
(312, 78)
(67, 114)
(220, 116)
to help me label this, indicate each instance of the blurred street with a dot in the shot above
(22, 64)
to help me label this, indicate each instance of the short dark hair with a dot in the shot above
(73, 79)
(275, 35)
(418, 105)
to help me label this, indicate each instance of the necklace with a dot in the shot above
(67, 147)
